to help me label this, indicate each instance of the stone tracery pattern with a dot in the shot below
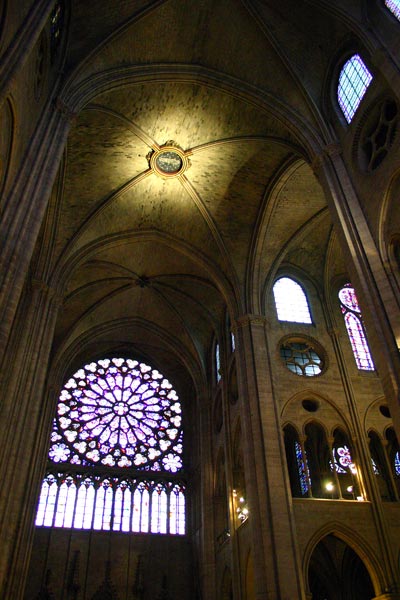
(118, 412)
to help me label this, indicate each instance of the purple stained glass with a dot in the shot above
(355, 328)
(348, 298)
(118, 412)
(343, 460)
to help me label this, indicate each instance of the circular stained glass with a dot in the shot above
(118, 412)
(169, 162)
(301, 358)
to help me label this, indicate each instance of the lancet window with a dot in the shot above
(355, 328)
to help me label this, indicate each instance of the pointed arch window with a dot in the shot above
(354, 79)
(115, 414)
(379, 466)
(319, 461)
(290, 301)
(297, 463)
(394, 7)
(355, 328)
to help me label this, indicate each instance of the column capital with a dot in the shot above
(245, 320)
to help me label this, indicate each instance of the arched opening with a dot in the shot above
(336, 572)
(296, 463)
(380, 467)
(319, 462)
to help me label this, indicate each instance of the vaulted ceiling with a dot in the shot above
(152, 261)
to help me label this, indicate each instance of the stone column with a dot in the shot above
(380, 307)
(277, 571)
(15, 56)
(25, 421)
(24, 210)
(205, 539)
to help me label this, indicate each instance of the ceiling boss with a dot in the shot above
(169, 160)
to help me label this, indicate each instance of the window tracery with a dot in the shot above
(355, 328)
(301, 358)
(354, 79)
(115, 415)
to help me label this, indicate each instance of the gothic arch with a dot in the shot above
(352, 539)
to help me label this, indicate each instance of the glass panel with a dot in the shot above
(290, 301)
(119, 413)
(394, 7)
(217, 362)
(159, 510)
(354, 80)
(304, 485)
(355, 328)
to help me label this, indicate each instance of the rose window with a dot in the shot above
(118, 412)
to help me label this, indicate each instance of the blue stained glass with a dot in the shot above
(304, 484)
(397, 463)
(354, 80)
(394, 7)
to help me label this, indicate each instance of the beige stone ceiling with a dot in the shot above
(153, 263)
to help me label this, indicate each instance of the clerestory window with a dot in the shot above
(354, 79)
(115, 455)
(394, 7)
(355, 328)
(290, 301)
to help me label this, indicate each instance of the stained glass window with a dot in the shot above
(342, 459)
(115, 413)
(355, 328)
(128, 505)
(304, 484)
(354, 80)
(301, 358)
(397, 463)
(394, 7)
(56, 27)
(290, 301)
